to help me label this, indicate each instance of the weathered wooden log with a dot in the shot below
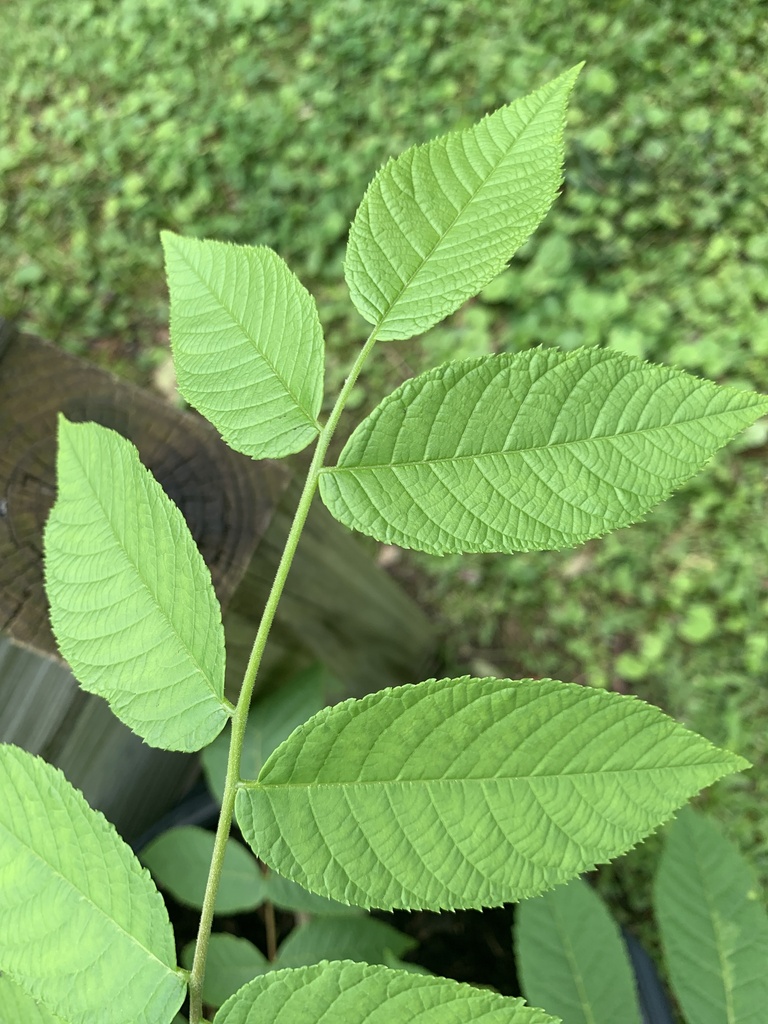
(338, 607)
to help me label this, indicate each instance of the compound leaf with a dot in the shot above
(469, 792)
(82, 927)
(713, 925)
(247, 344)
(132, 604)
(441, 220)
(362, 939)
(342, 992)
(232, 962)
(571, 959)
(539, 450)
(180, 860)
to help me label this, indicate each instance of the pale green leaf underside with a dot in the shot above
(713, 925)
(82, 927)
(441, 220)
(180, 860)
(132, 605)
(231, 963)
(363, 939)
(270, 721)
(17, 1007)
(247, 344)
(469, 792)
(571, 959)
(540, 450)
(342, 992)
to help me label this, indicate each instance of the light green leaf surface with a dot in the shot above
(132, 604)
(231, 963)
(362, 939)
(82, 927)
(17, 1007)
(342, 992)
(539, 450)
(469, 792)
(271, 720)
(290, 895)
(247, 344)
(571, 959)
(713, 925)
(180, 859)
(440, 221)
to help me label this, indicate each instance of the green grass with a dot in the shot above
(262, 121)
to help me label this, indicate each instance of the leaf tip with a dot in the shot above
(62, 424)
(740, 764)
(66, 433)
(567, 79)
(167, 238)
(174, 244)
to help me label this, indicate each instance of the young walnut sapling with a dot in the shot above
(449, 793)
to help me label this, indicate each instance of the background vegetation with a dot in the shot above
(262, 121)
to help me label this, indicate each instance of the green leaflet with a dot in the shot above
(342, 992)
(231, 963)
(17, 1007)
(290, 895)
(713, 924)
(180, 860)
(247, 344)
(469, 792)
(390, 960)
(132, 604)
(82, 927)
(363, 939)
(571, 958)
(441, 220)
(536, 451)
(270, 721)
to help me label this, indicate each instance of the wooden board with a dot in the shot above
(338, 607)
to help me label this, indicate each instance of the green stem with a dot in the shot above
(240, 717)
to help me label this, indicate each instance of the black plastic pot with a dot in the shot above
(654, 1003)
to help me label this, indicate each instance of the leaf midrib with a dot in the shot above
(312, 420)
(726, 971)
(573, 963)
(254, 784)
(596, 439)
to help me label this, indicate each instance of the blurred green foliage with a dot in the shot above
(262, 121)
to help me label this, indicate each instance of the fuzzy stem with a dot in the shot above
(269, 927)
(240, 717)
